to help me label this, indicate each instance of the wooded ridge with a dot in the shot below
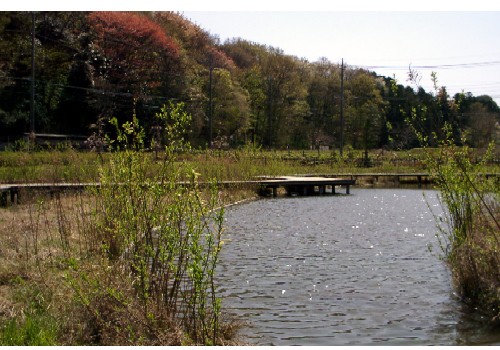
(91, 66)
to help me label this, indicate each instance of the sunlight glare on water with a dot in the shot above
(339, 270)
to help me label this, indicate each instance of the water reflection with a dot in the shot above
(339, 270)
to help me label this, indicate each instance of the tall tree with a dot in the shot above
(482, 125)
(60, 36)
(479, 118)
(285, 98)
(15, 72)
(247, 57)
(365, 114)
(323, 97)
(231, 109)
(133, 57)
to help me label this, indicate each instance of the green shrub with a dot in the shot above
(161, 238)
(469, 234)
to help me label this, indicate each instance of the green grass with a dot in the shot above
(73, 166)
(33, 325)
(224, 165)
(122, 265)
(33, 330)
(83, 230)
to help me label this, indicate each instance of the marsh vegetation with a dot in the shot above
(134, 261)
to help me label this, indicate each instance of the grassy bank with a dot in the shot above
(99, 267)
(469, 236)
(58, 285)
(130, 263)
(243, 164)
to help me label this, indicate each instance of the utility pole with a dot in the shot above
(32, 105)
(210, 108)
(342, 108)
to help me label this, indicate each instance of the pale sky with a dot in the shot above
(461, 47)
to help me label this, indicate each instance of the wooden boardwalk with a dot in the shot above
(304, 185)
(399, 178)
(10, 193)
(294, 185)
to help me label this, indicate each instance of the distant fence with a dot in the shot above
(55, 140)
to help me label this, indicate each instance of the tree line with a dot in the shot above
(92, 66)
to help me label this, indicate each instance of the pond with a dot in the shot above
(342, 270)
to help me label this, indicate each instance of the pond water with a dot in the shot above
(342, 270)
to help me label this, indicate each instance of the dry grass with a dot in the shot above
(32, 256)
(46, 264)
(476, 265)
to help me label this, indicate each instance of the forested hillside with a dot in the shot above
(91, 66)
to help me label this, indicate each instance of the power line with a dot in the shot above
(437, 66)
(97, 91)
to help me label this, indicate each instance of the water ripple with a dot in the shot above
(338, 270)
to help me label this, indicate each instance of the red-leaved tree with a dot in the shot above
(132, 55)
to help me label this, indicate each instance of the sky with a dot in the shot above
(459, 40)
